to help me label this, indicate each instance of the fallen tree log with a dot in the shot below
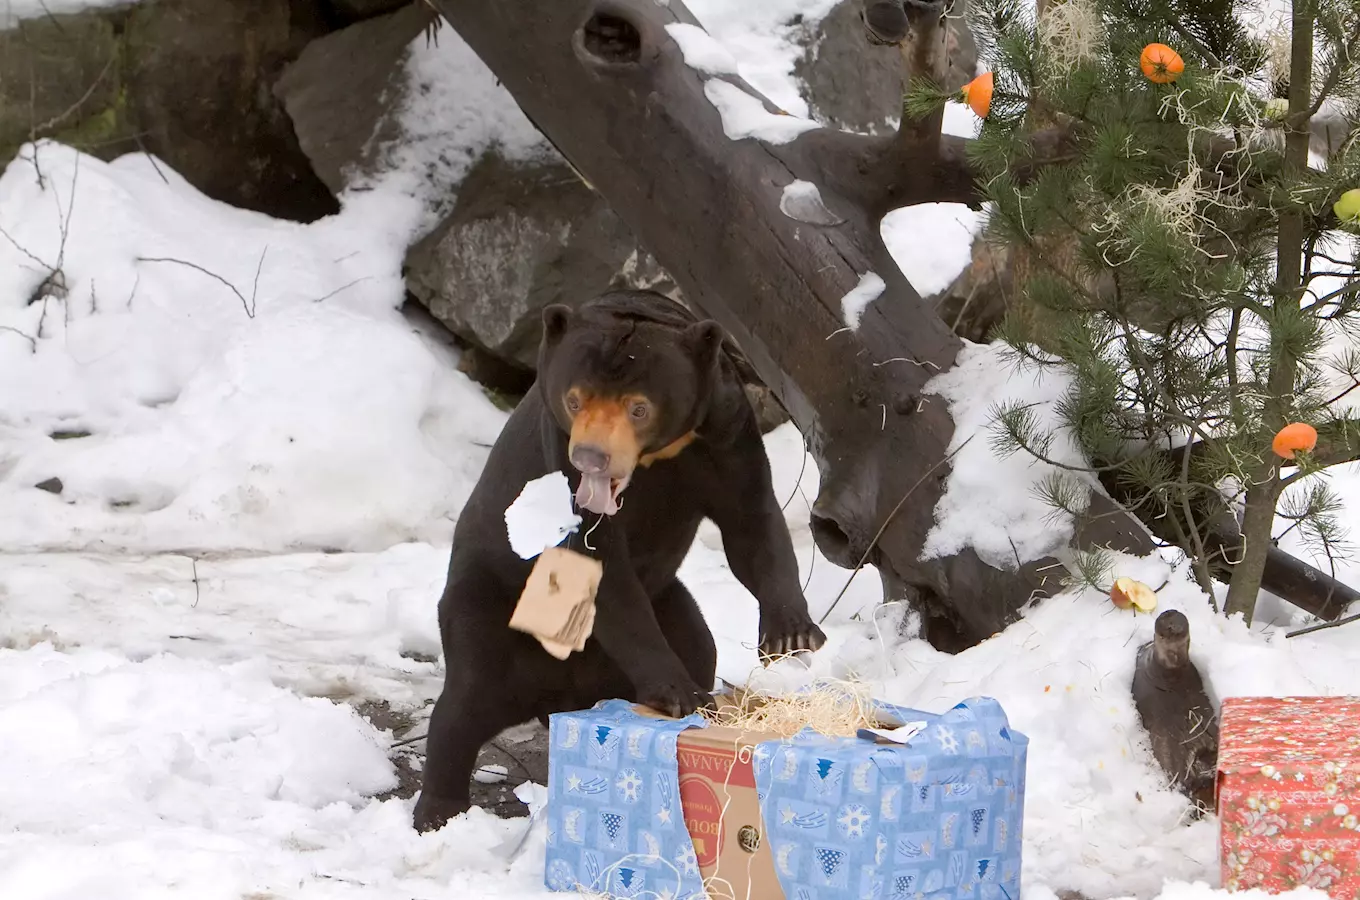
(606, 82)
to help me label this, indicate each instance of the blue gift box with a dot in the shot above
(936, 816)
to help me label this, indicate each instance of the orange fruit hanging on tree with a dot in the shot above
(1161, 64)
(978, 94)
(1294, 438)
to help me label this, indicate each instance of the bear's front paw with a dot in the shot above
(676, 698)
(788, 633)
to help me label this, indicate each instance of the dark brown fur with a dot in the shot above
(699, 455)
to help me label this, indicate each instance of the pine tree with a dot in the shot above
(1182, 260)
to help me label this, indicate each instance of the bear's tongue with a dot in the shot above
(597, 494)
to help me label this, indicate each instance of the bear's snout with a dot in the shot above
(589, 460)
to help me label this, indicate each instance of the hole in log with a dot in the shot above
(612, 39)
(833, 542)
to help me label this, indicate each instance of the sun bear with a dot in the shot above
(641, 405)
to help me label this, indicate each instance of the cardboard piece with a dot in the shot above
(722, 811)
(1289, 793)
(557, 605)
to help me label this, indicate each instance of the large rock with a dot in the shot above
(521, 236)
(185, 80)
(856, 85)
(342, 89)
(198, 76)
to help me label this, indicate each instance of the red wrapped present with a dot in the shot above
(1289, 794)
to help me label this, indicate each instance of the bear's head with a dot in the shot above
(628, 391)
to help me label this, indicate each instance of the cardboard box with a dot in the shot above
(1289, 794)
(642, 805)
(722, 811)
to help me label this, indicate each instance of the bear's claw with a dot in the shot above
(799, 637)
(675, 699)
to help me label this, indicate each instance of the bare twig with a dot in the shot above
(70, 111)
(1323, 625)
(142, 147)
(343, 287)
(32, 342)
(247, 305)
(22, 249)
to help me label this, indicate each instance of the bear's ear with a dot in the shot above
(705, 340)
(556, 320)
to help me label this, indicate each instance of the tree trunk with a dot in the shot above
(610, 88)
(1263, 493)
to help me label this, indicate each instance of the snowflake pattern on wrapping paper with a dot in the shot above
(686, 860)
(854, 818)
(629, 786)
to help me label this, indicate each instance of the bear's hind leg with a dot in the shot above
(465, 718)
(480, 697)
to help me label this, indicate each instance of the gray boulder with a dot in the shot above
(341, 89)
(522, 236)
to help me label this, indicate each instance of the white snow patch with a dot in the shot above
(490, 774)
(854, 303)
(541, 516)
(932, 242)
(453, 110)
(290, 407)
(989, 502)
(745, 116)
(335, 624)
(766, 40)
(701, 51)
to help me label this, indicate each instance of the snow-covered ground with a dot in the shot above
(251, 461)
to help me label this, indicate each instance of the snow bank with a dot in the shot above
(165, 777)
(213, 378)
(989, 502)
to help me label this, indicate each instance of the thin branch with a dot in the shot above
(32, 342)
(1323, 625)
(70, 110)
(247, 305)
(17, 246)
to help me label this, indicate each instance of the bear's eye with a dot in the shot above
(639, 410)
(573, 403)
